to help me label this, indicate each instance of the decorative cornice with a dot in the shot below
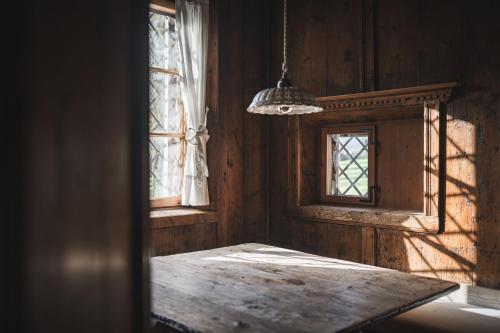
(440, 92)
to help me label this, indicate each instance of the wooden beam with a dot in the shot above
(431, 159)
(368, 245)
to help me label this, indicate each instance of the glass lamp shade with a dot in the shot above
(284, 100)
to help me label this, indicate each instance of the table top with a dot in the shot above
(262, 288)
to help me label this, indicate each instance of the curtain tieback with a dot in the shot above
(198, 139)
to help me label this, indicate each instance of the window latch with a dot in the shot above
(373, 195)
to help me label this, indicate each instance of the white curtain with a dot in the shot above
(192, 27)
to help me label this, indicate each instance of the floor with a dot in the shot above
(469, 309)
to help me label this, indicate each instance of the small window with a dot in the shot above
(348, 165)
(167, 123)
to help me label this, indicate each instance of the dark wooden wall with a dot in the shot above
(344, 46)
(241, 146)
(75, 138)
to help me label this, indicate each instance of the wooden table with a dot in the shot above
(260, 288)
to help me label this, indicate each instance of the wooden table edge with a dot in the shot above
(403, 309)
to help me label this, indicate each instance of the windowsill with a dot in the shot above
(371, 217)
(179, 216)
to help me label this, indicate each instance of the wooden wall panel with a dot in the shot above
(215, 120)
(231, 96)
(238, 155)
(310, 147)
(338, 241)
(445, 256)
(480, 112)
(399, 164)
(255, 134)
(187, 238)
(369, 245)
(307, 58)
(280, 228)
(343, 47)
(397, 29)
(416, 42)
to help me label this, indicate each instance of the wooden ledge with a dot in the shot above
(365, 216)
(173, 217)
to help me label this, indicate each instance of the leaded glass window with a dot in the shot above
(167, 118)
(348, 164)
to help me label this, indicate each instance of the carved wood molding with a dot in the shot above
(440, 92)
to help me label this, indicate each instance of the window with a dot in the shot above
(167, 123)
(348, 165)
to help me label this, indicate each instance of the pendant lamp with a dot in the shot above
(285, 99)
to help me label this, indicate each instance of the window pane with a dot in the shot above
(164, 97)
(163, 47)
(166, 170)
(350, 164)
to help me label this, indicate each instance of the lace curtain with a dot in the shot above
(192, 24)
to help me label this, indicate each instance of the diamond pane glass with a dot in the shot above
(166, 115)
(163, 46)
(164, 103)
(350, 164)
(166, 167)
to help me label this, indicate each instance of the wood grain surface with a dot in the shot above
(259, 288)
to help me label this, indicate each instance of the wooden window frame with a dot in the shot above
(164, 7)
(326, 165)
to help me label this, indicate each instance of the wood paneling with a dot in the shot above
(432, 160)
(232, 108)
(80, 202)
(280, 228)
(344, 31)
(183, 230)
(237, 149)
(184, 238)
(255, 134)
(326, 239)
(241, 148)
(399, 164)
(415, 43)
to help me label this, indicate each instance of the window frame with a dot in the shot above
(167, 8)
(326, 165)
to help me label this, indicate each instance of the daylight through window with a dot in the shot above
(167, 122)
(348, 164)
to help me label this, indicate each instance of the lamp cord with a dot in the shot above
(284, 67)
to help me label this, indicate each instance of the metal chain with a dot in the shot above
(285, 11)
